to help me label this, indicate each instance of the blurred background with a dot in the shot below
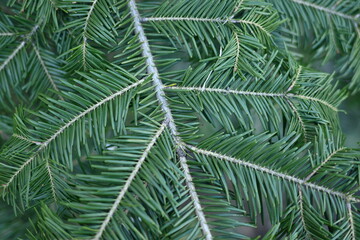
(350, 120)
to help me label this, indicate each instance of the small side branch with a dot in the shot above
(351, 220)
(52, 82)
(237, 56)
(326, 10)
(250, 93)
(7, 34)
(85, 29)
(237, 7)
(52, 185)
(297, 114)
(295, 79)
(12, 55)
(273, 173)
(301, 206)
(128, 182)
(25, 139)
(323, 163)
(213, 20)
(68, 124)
(19, 47)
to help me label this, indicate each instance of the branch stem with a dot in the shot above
(160, 94)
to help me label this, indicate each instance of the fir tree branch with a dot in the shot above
(327, 10)
(129, 181)
(283, 176)
(296, 112)
(249, 93)
(88, 16)
(160, 94)
(25, 139)
(301, 206)
(52, 185)
(237, 7)
(351, 220)
(313, 99)
(323, 163)
(87, 19)
(12, 55)
(46, 70)
(295, 79)
(237, 56)
(214, 20)
(7, 34)
(83, 48)
(19, 47)
(44, 144)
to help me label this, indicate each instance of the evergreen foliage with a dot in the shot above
(177, 119)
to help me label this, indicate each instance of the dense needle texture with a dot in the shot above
(177, 119)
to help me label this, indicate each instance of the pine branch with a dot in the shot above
(20, 46)
(301, 206)
(129, 181)
(7, 34)
(44, 144)
(280, 175)
(351, 220)
(258, 94)
(296, 78)
(151, 68)
(51, 177)
(213, 20)
(25, 139)
(13, 54)
(330, 11)
(87, 19)
(237, 7)
(296, 112)
(237, 52)
(45, 69)
(323, 163)
(12, 66)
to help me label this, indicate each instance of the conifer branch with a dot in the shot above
(129, 181)
(25, 139)
(213, 20)
(301, 206)
(12, 55)
(237, 56)
(160, 94)
(237, 7)
(269, 171)
(314, 99)
(351, 220)
(326, 10)
(87, 19)
(323, 163)
(106, 102)
(7, 34)
(92, 108)
(249, 93)
(45, 69)
(44, 144)
(19, 47)
(83, 49)
(295, 79)
(297, 114)
(52, 185)
(83, 45)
